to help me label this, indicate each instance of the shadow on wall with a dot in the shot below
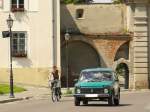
(23, 62)
(68, 21)
(81, 56)
(93, 18)
(123, 52)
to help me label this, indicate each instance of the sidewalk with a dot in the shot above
(32, 92)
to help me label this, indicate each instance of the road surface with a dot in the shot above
(130, 102)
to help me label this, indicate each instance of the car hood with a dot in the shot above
(94, 84)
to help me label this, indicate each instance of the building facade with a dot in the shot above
(108, 35)
(36, 47)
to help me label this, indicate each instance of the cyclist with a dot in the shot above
(54, 78)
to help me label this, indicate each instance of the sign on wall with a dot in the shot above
(1, 3)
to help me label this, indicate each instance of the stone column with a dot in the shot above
(140, 47)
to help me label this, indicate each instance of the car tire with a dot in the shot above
(76, 101)
(111, 100)
(85, 102)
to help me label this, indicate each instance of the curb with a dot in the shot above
(14, 99)
(133, 91)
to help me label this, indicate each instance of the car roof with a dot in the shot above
(97, 69)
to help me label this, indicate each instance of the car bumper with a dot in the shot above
(92, 95)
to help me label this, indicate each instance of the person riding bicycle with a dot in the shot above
(54, 78)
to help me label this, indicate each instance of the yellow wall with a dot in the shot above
(27, 76)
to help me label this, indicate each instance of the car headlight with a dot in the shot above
(78, 91)
(106, 91)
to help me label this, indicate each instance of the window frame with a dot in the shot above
(19, 54)
(78, 11)
(17, 7)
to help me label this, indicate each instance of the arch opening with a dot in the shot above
(122, 71)
(81, 55)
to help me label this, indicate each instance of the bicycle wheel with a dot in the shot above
(57, 94)
(54, 97)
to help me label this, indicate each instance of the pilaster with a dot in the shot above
(140, 46)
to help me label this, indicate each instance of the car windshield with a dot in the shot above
(93, 76)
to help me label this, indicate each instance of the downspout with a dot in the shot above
(55, 40)
(52, 38)
(56, 32)
(58, 62)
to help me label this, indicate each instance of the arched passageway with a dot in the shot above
(122, 55)
(123, 74)
(81, 55)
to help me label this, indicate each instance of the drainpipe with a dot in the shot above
(52, 36)
(56, 32)
(55, 39)
(58, 56)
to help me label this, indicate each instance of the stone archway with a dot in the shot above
(81, 55)
(123, 74)
(121, 64)
(122, 69)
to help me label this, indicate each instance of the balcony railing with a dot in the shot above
(17, 7)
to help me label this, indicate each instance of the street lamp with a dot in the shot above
(10, 24)
(67, 37)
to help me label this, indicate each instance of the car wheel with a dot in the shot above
(85, 102)
(111, 100)
(77, 101)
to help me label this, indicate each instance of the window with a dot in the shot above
(17, 5)
(1, 4)
(79, 13)
(19, 44)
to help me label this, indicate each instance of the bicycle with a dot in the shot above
(56, 95)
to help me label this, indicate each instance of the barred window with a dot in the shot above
(19, 44)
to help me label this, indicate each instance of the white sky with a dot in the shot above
(102, 1)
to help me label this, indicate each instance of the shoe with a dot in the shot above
(60, 96)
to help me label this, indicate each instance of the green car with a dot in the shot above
(97, 84)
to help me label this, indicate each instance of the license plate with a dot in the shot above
(91, 95)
